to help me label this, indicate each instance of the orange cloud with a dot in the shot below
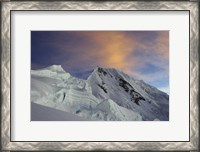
(159, 44)
(114, 48)
(81, 51)
(163, 44)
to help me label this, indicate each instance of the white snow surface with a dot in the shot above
(107, 95)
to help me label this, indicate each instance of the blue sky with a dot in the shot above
(143, 55)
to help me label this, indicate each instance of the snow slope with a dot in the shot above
(129, 93)
(43, 113)
(107, 94)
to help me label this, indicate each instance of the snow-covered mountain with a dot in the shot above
(107, 94)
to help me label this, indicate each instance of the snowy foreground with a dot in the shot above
(43, 113)
(107, 95)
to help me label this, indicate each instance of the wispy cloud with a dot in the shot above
(113, 49)
(142, 54)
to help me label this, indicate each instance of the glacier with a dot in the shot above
(106, 95)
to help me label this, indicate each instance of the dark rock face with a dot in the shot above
(125, 85)
(100, 70)
(103, 88)
(135, 96)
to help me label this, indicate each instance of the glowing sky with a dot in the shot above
(141, 54)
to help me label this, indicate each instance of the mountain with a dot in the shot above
(107, 94)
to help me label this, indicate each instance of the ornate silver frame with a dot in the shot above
(7, 6)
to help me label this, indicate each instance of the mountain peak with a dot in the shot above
(98, 67)
(56, 68)
(112, 72)
(53, 71)
(101, 69)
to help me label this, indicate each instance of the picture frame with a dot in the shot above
(7, 7)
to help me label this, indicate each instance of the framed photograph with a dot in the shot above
(100, 76)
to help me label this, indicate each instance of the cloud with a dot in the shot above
(142, 54)
(154, 41)
(113, 49)
(163, 44)
(151, 48)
